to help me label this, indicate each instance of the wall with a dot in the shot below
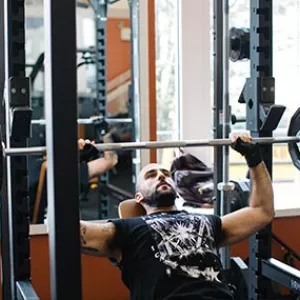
(195, 75)
(118, 52)
(100, 280)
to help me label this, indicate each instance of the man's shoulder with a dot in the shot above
(128, 222)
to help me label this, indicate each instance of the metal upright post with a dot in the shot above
(101, 88)
(6, 266)
(221, 112)
(2, 53)
(15, 200)
(259, 98)
(62, 149)
(135, 82)
(225, 202)
(218, 98)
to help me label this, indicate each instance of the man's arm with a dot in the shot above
(98, 239)
(243, 223)
(101, 165)
(105, 163)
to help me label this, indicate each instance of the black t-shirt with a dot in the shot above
(171, 255)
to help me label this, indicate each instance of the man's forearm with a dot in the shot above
(86, 237)
(262, 195)
(110, 155)
(96, 238)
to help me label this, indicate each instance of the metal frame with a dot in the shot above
(15, 200)
(218, 98)
(62, 153)
(100, 51)
(261, 65)
(262, 117)
(7, 280)
(134, 89)
(2, 64)
(281, 273)
(220, 110)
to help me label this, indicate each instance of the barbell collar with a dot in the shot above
(226, 186)
(155, 145)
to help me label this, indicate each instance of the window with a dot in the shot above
(167, 72)
(286, 70)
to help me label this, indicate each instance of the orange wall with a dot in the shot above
(118, 52)
(282, 227)
(100, 280)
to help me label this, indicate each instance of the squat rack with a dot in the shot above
(60, 95)
(62, 69)
(262, 118)
(61, 136)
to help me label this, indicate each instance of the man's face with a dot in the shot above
(156, 186)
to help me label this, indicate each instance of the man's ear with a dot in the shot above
(139, 197)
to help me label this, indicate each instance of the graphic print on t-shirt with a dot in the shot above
(185, 244)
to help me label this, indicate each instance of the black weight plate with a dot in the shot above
(294, 130)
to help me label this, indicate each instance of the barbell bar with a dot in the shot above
(90, 121)
(155, 145)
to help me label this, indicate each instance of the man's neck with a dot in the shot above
(152, 210)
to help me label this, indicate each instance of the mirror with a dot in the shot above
(100, 193)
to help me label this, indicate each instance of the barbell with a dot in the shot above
(292, 139)
(153, 145)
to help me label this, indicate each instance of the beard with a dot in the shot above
(161, 198)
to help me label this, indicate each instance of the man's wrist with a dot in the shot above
(253, 158)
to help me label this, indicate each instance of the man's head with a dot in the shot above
(155, 187)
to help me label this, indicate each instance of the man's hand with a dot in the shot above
(87, 150)
(243, 144)
(82, 143)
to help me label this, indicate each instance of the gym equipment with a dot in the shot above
(293, 130)
(237, 278)
(262, 118)
(155, 145)
(240, 195)
(239, 43)
(235, 119)
(95, 120)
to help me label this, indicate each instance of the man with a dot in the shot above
(171, 254)
(88, 169)
(94, 168)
